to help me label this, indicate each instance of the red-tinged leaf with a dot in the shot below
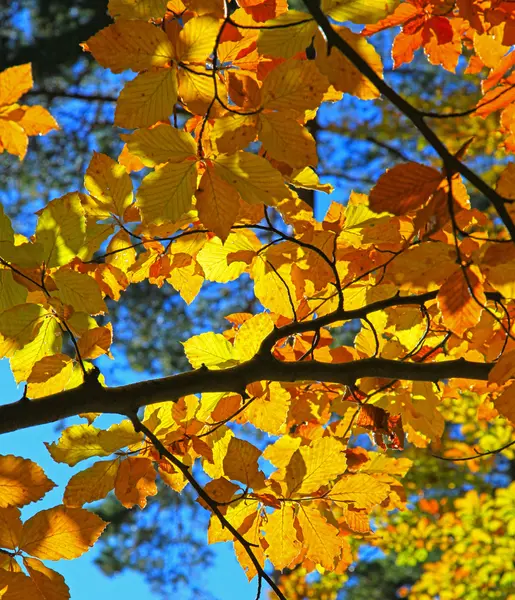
(442, 29)
(404, 188)
(462, 299)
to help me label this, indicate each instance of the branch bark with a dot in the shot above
(126, 399)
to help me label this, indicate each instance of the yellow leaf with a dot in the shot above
(220, 261)
(167, 193)
(21, 481)
(234, 132)
(134, 45)
(49, 375)
(60, 532)
(61, 229)
(36, 120)
(253, 176)
(79, 442)
(219, 442)
(14, 82)
(218, 203)
(314, 466)
(6, 230)
(48, 341)
(308, 179)
(274, 287)
(161, 144)
(295, 85)
(280, 452)
(196, 40)
(78, 290)
(269, 410)
(360, 490)
(240, 515)
(94, 483)
(123, 254)
(241, 463)
(287, 41)
(251, 334)
(323, 546)
(10, 527)
(135, 481)
(281, 535)
(209, 349)
(11, 292)
(342, 74)
(279, 135)
(364, 12)
(187, 280)
(19, 326)
(13, 138)
(137, 9)
(147, 99)
(109, 183)
(49, 584)
(198, 90)
(95, 342)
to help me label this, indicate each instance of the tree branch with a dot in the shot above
(127, 399)
(411, 112)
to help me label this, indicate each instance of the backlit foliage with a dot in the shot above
(429, 278)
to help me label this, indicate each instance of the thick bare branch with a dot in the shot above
(92, 397)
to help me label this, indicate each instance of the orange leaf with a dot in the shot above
(404, 188)
(10, 528)
(49, 584)
(135, 480)
(95, 342)
(21, 481)
(241, 463)
(461, 300)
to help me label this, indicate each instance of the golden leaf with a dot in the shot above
(281, 535)
(21, 481)
(60, 532)
(94, 483)
(79, 442)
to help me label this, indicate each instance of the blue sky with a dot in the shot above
(225, 580)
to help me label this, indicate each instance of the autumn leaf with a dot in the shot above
(21, 481)
(240, 463)
(314, 466)
(320, 538)
(94, 483)
(79, 442)
(60, 532)
(135, 481)
(281, 535)
(134, 45)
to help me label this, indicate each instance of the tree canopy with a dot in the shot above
(358, 395)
